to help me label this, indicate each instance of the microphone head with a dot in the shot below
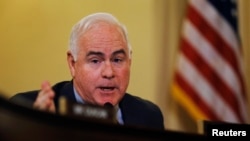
(108, 105)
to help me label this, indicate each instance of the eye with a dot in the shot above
(117, 60)
(95, 61)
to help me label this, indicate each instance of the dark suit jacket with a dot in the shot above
(135, 111)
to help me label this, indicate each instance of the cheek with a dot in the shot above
(125, 75)
(82, 74)
(87, 74)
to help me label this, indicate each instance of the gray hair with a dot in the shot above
(84, 24)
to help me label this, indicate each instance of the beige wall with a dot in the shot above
(34, 39)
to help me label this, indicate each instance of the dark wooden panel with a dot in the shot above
(18, 123)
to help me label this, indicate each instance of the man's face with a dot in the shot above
(102, 70)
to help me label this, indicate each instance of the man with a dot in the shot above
(99, 59)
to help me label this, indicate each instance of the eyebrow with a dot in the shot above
(121, 51)
(95, 53)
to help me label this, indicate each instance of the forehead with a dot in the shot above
(103, 36)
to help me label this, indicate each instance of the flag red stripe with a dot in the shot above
(217, 42)
(209, 74)
(195, 98)
(214, 92)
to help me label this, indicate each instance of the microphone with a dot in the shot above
(114, 110)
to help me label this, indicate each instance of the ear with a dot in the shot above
(130, 59)
(71, 63)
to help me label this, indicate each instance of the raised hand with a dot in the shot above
(45, 98)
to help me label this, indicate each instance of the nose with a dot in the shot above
(108, 70)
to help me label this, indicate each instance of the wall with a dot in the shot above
(34, 40)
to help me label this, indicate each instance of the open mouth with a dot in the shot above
(107, 88)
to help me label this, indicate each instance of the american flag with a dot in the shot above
(209, 76)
